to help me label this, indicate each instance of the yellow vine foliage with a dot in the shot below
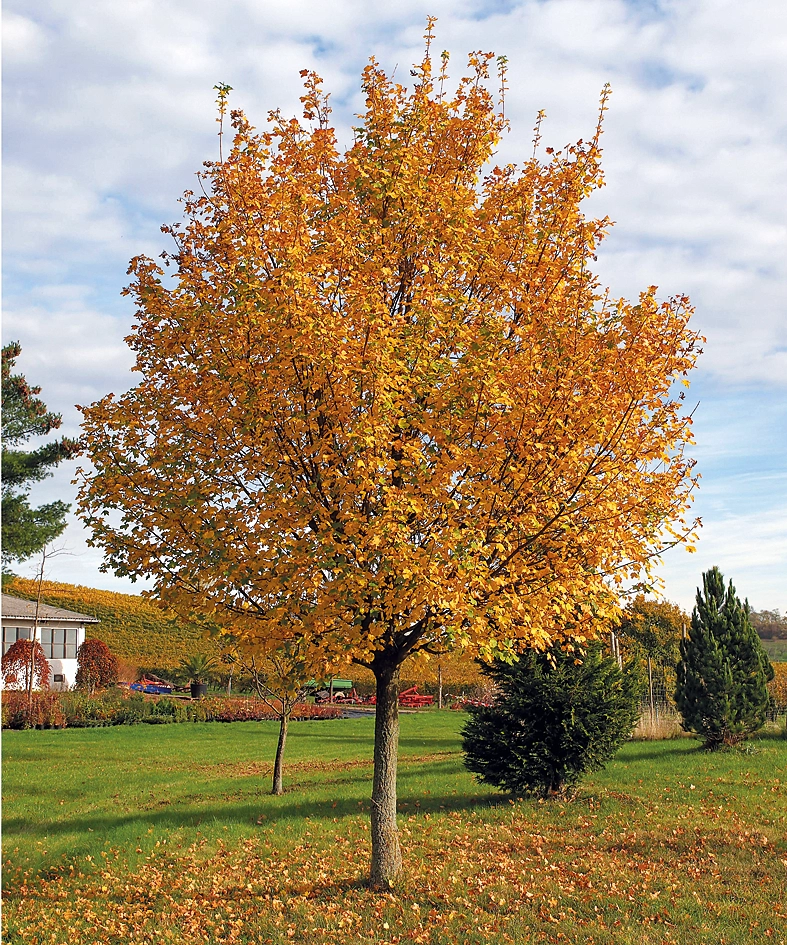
(777, 687)
(133, 628)
(384, 404)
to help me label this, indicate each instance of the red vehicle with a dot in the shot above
(409, 699)
(412, 699)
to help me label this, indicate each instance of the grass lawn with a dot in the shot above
(167, 834)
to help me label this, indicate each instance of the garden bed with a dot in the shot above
(121, 707)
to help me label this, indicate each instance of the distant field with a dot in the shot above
(167, 834)
(776, 650)
(131, 626)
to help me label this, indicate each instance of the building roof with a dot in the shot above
(16, 607)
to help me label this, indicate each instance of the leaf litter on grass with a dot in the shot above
(668, 845)
(517, 873)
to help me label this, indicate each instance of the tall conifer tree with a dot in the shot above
(723, 670)
(27, 529)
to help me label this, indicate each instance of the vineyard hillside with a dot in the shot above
(132, 627)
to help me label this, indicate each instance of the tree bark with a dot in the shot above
(33, 641)
(386, 853)
(278, 764)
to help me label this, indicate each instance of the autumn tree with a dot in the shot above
(384, 406)
(281, 679)
(26, 530)
(769, 624)
(653, 628)
(97, 667)
(25, 667)
(723, 671)
(650, 632)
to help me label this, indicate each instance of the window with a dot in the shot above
(12, 634)
(58, 643)
(9, 637)
(45, 636)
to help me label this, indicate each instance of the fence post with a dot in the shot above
(650, 686)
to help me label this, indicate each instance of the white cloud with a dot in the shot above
(24, 42)
(750, 550)
(101, 142)
(75, 353)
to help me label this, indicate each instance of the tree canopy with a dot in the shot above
(384, 406)
(97, 666)
(654, 627)
(26, 530)
(25, 667)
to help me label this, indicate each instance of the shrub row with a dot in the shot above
(117, 707)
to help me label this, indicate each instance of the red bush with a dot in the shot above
(252, 710)
(44, 712)
(97, 668)
(16, 666)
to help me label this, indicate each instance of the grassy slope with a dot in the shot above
(131, 626)
(169, 832)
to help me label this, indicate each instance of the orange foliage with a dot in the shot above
(777, 687)
(385, 402)
(22, 660)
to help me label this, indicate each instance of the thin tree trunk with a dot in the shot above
(439, 686)
(35, 636)
(386, 853)
(278, 765)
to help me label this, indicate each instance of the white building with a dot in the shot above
(60, 633)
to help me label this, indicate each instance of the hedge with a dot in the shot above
(119, 707)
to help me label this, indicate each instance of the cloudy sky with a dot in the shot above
(109, 111)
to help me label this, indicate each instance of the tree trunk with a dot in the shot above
(386, 854)
(33, 642)
(278, 765)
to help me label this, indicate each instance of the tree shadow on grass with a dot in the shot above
(657, 750)
(257, 810)
(687, 746)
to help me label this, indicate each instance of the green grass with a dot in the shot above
(167, 833)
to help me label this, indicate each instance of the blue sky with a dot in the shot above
(109, 111)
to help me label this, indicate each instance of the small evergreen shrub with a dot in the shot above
(723, 674)
(555, 717)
